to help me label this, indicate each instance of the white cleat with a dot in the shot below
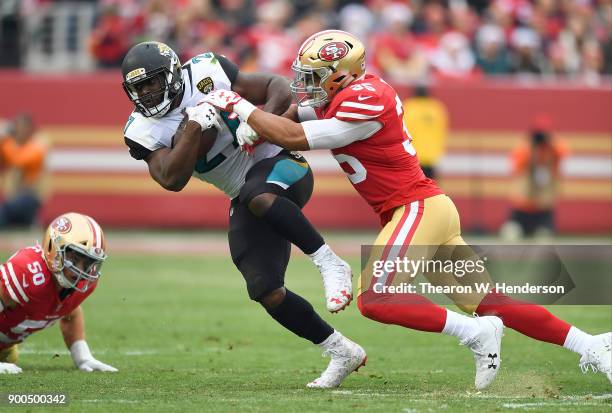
(337, 281)
(598, 355)
(346, 357)
(486, 346)
(9, 368)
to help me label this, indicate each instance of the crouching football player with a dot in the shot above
(43, 284)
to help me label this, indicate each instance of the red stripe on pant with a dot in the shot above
(407, 310)
(529, 319)
(392, 239)
(408, 240)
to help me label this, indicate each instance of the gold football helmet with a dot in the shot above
(73, 248)
(327, 62)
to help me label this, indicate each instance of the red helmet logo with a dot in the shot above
(333, 51)
(62, 225)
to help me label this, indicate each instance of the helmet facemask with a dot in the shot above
(155, 103)
(307, 85)
(73, 248)
(158, 102)
(69, 259)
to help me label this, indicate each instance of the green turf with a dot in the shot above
(185, 337)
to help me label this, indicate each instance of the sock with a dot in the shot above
(298, 316)
(406, 310)
(320, 253)
(529, 319)
(576, 340)
(287, 219)
(331, 341)
(458, 325)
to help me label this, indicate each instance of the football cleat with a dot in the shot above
(337, 281)
(598, 355)
(346, 357)
(486, 346)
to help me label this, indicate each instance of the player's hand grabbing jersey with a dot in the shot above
(377, 154)
(26, 279)
(225, 165)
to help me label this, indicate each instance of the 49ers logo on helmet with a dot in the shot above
(62, 225)
(333, 51)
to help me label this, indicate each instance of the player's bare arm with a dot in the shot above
(328, 133)
(266, 89)
(279, 130)
(172, 167)
(72, 327)
(73, 330)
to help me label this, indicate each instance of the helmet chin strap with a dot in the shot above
(346, 81)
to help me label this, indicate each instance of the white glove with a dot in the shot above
(223, 99)
(230, 101)
(9, 368)
(96, 365)
(85, 361)
(245, 135)
(205, 114)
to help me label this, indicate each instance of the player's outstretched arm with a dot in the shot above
(279, 130)
(283, 131)
(73, 330)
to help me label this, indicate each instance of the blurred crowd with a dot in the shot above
(407, 40)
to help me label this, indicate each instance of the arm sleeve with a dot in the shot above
(333, 133)
(230, 69)
(306, 113)
(137, 151)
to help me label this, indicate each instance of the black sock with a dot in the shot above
(298, 316)
(287, 219)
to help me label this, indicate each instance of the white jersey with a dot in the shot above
(225, 165)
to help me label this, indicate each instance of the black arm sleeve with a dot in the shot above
(230, 69)
(137, 151)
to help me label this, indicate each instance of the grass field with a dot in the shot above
(185, 337)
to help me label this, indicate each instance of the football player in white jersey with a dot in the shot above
(267, 188)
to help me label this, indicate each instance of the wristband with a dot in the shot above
(79, 350)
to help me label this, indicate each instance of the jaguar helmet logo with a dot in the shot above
(333, 51)
(164, 50)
